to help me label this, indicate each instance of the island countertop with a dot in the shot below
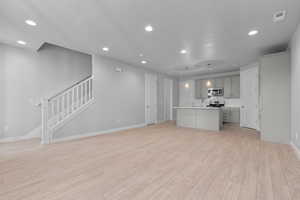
(196, 107)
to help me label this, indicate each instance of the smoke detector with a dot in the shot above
(118, 69)
(279, 16)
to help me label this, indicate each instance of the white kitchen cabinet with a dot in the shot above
(226, 113)
(199, 118)
(219, 83)
(227, 87)
(204, 89)
(231, 114)
(235, 115)
(235, 87)
(186, 118)
(198, 87)
(230, 84)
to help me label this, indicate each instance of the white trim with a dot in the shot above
(296, 149)
(79, 136)
(73, 115)
(150, 78)
(171, 99)
(35, 133)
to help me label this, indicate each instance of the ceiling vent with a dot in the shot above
(279, 16)
(118, 69)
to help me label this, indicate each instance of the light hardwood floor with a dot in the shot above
(157, 162)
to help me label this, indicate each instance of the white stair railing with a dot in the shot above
(59, 108)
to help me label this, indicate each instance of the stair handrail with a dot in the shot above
(64, 90)
(62, 106)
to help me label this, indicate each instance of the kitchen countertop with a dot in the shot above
(196, 107)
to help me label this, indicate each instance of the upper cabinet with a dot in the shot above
(231, 85)
(219, 83)
(201, 88)
(227, 87)
(198, 86)
(235, 87)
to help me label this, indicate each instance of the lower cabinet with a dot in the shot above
(186, 118)
(231, 114)
(206, 119)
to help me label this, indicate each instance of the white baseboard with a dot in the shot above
(35, 133)
(296, 149)
(80, 136)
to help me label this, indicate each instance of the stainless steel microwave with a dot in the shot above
(215, 92)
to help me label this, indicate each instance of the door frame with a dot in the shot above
(253, 68)
(167, 98)
(150, 79)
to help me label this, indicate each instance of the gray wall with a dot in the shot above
(26, 76)
(295, 87)
(119, 100)
(175, 96)
(160, 98)
(275, 97)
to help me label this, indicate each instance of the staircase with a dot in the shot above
(60, 108)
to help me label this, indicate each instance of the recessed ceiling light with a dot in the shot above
(105, 49)
(144, 62)
(30, 22)
(187, 85)
(149, 28)
(253, 32)
(183, 51)
(21, 42)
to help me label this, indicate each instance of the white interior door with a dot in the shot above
(150, 98)
(168, 99)
(249, 97)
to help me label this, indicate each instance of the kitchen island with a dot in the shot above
(206, 118)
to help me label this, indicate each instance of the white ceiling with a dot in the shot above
(213, 31)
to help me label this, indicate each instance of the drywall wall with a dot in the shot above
(166, 85)
(119, 100)
(295, 88)
(187, 94)
(275, 97)
(27, 75)
(175, 96)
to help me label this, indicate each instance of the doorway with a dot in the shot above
(150, 98)
(249, 97)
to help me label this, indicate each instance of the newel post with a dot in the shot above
(45, 138)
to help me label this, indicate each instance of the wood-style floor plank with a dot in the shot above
(156, 162)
